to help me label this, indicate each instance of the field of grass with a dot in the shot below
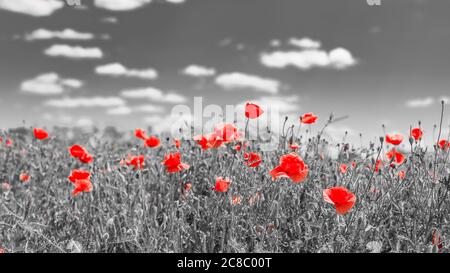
(149, 209)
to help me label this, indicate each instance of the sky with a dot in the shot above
(127, 63)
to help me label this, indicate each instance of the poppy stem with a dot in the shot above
(437, 141)
(246, 128)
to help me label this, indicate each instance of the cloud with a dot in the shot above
(66, 34)
(176, 1)
(284, 104)
(236, 80)
(36, 8)
(275, 43)
(121, 5)
(84, 122)
(170, 123)
(49, 84)
(117, 69)
(305, 43)
(74, 52)
(149, 108)
(199, 71)
(152, 94)
(120, 110)
(338, 58)
(420, 102)
(110, 20)
(126, 110)
(85, 102)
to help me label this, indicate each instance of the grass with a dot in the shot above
(148, 210)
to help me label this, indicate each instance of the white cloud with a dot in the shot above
(110, 20)
(149, 108)
(420, 102)
(341, 58)
(48, 84)
(74, 83)
(199, 71)
(170, 123)
(85, 102)
(121, 5)
(32, 7)
(275, 43)
(74, 52)
(305, 43)
(283, 104)
(338, 58)
(126, 110)
(117, 69)
(84, 122)
(236, 80)
(152, 94)
(120, 110)
(176, 1)
(66, 34)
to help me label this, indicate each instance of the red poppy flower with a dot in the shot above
(137, 161)
(396, 157)
(253, 111)
(353, 165)
(24, 177)
(173, 163)
(444, 144)
(416, 133)
(202, 141)
(394, 139)
(139, 133)
(291, 166)
(82, 185)
(177, 143)
(252, 160)
(79, 175)
(1, 139)
(343, 168)
(77, 151)
(208, 141)
(152, 142)
(222, 184)
(40, 133)
(294, 146)
(342, 199)
(237, 148)
(187, 186)
(378, 165)
(9, 142)
(226, 132)
(401, 174)
(308, 118)
(81, 154)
